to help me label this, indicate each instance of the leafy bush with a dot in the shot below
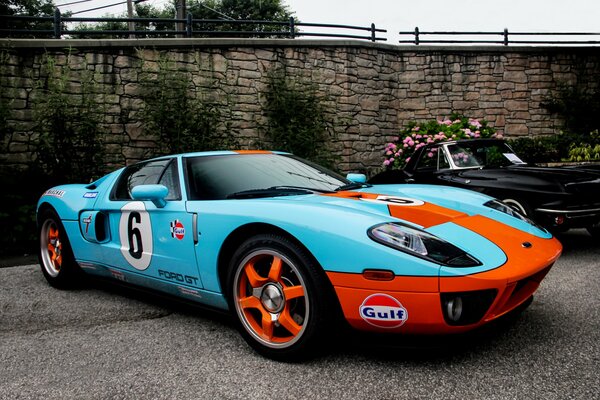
(418, 134)
(68, 128)
(297, 119)
(176, 114)
(579, 108)
(586, 151)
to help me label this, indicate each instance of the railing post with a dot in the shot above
(505, 37)
(372, 32)
(417, 35)
(292, 28)
(188, 25)
(57, 24)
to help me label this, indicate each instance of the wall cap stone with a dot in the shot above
(173, 43)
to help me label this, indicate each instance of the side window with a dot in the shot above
(443, 161)
(429, 159)
(163, 172)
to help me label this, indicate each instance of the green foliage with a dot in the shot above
(297, 118)
(556, 148)
(418, 134)
(141, 11)
(68, 128)
(34, 8)
(5, 128)
(177, 115)
(27, 7)
(586, 151)
(540, 149)
(222, 10)
(578, 107)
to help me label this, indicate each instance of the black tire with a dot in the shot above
(265, 272)
(55, 254)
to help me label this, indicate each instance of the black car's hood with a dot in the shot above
(565, 179)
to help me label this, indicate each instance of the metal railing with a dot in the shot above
(503, 37)
(187, 27)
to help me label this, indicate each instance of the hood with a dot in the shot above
(540, 178)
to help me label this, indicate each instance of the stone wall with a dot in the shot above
(373, 90)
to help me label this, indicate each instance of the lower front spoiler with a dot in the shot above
(459, 305)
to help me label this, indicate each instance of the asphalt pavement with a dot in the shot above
(105, 342)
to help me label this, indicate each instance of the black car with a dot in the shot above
(556, 198)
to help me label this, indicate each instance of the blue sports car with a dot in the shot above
(290, 248)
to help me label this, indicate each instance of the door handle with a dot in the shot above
(195, 227)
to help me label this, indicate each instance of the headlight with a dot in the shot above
(421, 244)
(506, 209)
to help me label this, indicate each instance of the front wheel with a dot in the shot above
(280, 298)
(55, 254)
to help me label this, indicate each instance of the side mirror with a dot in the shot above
(153, 193)
(358, 178)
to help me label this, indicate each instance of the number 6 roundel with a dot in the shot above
(135, 233)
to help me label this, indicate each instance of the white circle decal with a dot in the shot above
(396, 201)
(135, 233)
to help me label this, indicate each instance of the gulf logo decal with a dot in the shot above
(177, 229)
(383, 311)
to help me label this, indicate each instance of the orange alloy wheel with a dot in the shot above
(51, 248)
(270, 298)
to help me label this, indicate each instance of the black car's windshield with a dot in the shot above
(256, 175)
(482, 154)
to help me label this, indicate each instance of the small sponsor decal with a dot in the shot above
(54, 193)
(177, 229)
(383, 311)
(90, 195)
(87, 265)
(189, 292)
(118, 275)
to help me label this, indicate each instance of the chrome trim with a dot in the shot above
(591, 210)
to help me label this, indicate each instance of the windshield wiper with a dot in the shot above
(274, 191)
(352, 185)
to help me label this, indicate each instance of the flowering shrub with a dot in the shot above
(416, 135)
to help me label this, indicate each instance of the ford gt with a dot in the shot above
(291, 249)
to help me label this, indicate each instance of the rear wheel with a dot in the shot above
(280, 298)
(55, 254)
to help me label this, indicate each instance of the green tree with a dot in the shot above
(221, 10)
(34, 8)
(141, 11)
(257, 10)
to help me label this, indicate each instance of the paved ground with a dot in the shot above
(102, 342)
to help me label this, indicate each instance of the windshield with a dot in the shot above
(224, 176)
(482, 154)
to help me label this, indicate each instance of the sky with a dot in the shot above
(428, 15)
